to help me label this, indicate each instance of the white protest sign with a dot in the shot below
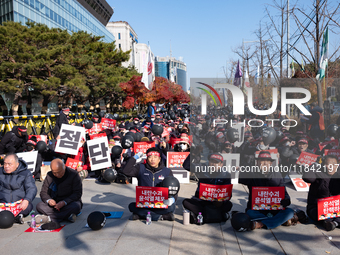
(240, 129)
(299, 183)
(232, 161)
(30, 158)
(99, 153)
(70, 139)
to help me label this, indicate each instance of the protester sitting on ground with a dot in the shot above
(14, 141)
(60, 194)
(265, 178)
(150, 173)
(324, 183)
(212, 211)
(16, 183)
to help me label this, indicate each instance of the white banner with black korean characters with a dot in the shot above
(99, 153)
(30, 158)
(70, 139)
(240, 129)
(232, 162)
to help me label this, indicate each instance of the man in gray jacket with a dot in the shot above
(16, 183)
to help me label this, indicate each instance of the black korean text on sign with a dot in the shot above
(70, 139)
(102, 152)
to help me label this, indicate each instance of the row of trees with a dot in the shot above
(163, 91)
(75, 68)
(269, 48)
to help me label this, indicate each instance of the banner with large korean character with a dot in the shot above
(108, 123)
(70, 139)
(73, 163)
(30, 158)
(97, 127)
(267, 198)
(151, 197)
(335, 152)
(307, 158)
(12, 207)
(174, 161)
(142, 147)
(232, 162)
(299, 183)
(211, 192)
(99, 153)
(328, 207)
(240, 128)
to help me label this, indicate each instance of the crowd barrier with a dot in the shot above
(37, 124)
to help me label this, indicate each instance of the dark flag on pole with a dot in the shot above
(238, 75)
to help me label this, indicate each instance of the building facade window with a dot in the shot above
(119, 36)
(64, 14)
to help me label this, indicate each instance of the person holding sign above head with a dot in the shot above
(263, 175)
(325, 183)
(213, 192)
(150, 173)
(61, 119)
(17, 183)
(60, 194)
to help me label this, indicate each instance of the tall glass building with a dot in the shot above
(171, 68)
(74, 15)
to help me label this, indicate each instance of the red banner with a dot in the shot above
(97, 127)
(174, 141)
(108, 123)
(95, 136)
(215, 192)
(176, 159)
(151, 197)
(334, 143)
(306, 158)
(39, 138)
(142, 146)
(267, 198)
(12, 207)
(333, 152)
(328, 207)
(165, 132)
(73, 163)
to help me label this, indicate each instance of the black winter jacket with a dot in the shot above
(12, 142)
(68, 188)
(322, 185)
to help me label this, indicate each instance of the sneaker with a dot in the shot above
(329, 225)
(72, 218)
(256, 225)
(134, 216)
(169, 216)
(50, 226)
(42, 219)
(19, 219)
